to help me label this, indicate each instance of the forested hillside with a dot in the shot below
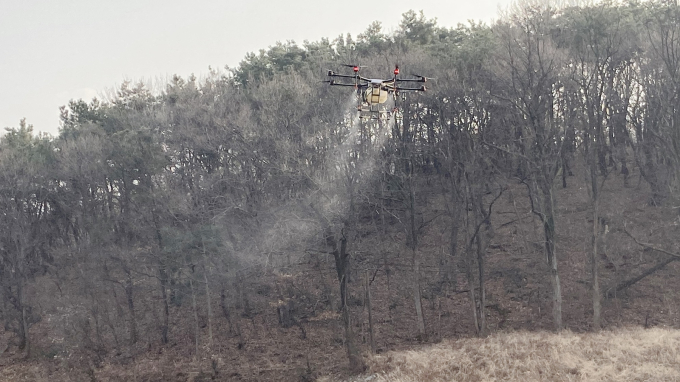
(248, 225)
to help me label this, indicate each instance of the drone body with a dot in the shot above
(374, 92)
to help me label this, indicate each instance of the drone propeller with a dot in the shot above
(355, 68)
(422, 78)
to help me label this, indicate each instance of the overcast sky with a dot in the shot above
(52, 51)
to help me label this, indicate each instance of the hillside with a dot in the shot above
(256, 346)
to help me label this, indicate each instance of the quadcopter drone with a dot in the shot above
(374, 92)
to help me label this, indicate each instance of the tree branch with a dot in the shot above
(650, 246)
(610, 292)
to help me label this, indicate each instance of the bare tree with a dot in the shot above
(529, 66)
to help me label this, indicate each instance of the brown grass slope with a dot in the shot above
(633, 354)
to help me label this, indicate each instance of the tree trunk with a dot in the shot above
(25, 343)
(209, 303)
(342, 266)
(611, 292)
(162, 277)
(547, 216)
(483, 231)
(417, 297)
(593, 254)
(370, 314)
(195, 310)
(481, 248)
(471, 286)
(356, 363)
(207, 294)
(233, 326)
(649, 172)
(342, 259)
(24, 324)
(549, 231)
(416, 261)
(165, 326)
(450, 263)
(131, 307)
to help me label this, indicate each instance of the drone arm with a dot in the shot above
(420, 89)
(352, 85)
(332, 74)
(423, 79)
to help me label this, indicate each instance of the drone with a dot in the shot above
(374, 92)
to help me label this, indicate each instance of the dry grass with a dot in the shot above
(620, 355)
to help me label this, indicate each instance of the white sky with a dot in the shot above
(52, 51)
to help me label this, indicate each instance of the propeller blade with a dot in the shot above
(355, 68)
(423, 78)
